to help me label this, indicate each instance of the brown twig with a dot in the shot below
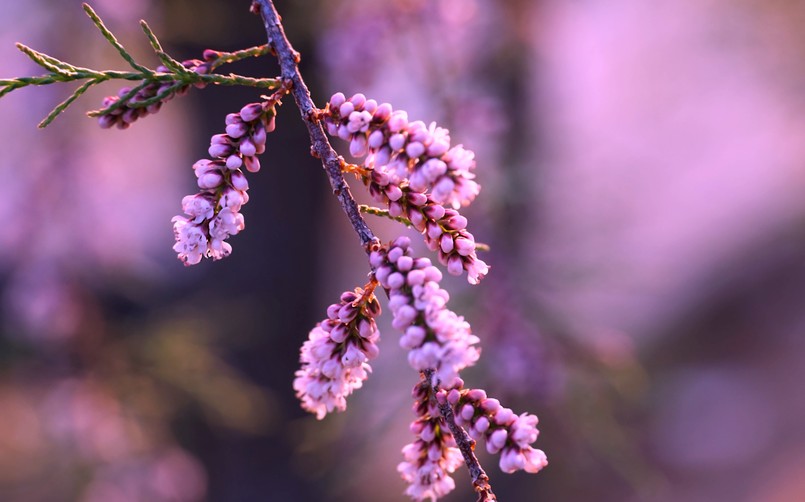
(480, 481)
(333, 165)
(320, 145)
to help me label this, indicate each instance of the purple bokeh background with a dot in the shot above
(642, 169)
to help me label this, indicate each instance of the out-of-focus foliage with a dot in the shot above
(642, 172)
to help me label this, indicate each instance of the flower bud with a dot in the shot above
(337, 100)
(252, 164)
(358, 100)
(382, 112)
(220, 150)
(251, 112)
(208, 180)
(210, 55)
(238, 180)
(234, 161)
(247, 148)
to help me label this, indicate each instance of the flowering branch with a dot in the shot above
(173, 78)
(333, 165)
(480, 480)
(419, 179)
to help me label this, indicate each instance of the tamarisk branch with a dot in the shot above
(320, 147)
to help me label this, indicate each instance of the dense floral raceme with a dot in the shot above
(435, 336)
(413, 152)
(128, 105)
(432, 456)
(213, 214)
(503, 431)
(445, 230)
(334, 358)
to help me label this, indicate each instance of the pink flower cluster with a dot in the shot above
(213, 214)
(127, 113)
(412, 169)
(436, 337)
(441, 341)
(444, 230)
(504, 432)
(407, 151)
(433, 455)
(334, 358)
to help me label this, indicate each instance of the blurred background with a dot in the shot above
(643, 171)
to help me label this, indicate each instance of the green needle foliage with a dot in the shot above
(61, 71)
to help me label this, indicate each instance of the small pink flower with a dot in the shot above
(199, 206)
(191, 242)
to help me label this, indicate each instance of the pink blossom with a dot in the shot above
(444, 229)
(199, 206)
(215, 211)
(505, 432)
(432, 456)
(411, 152)
(191, 241)
(436, 336)
(335, 357)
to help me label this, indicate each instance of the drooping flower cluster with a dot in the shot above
(213, 214)
(436, 337)
(444, 230)
(411, 168)
(406, 151)
(504, 432)
(334, 358)
(127, 113)
(432, 456)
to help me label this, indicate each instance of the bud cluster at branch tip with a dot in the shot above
(445, 230)
(213, 214)
(436, 337)
(412, 151)
(432, 456)
(334, 358)
(503, 431)
(132, 104)
(413, 170)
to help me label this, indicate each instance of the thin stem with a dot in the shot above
(480, 481)
(320, 145)
(51, 64)
(376, 211)
(64, 104)
(231, 57)
(96, 19)
(166, 59)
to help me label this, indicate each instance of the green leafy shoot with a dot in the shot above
(61, 71)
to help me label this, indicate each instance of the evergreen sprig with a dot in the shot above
(61, 71)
